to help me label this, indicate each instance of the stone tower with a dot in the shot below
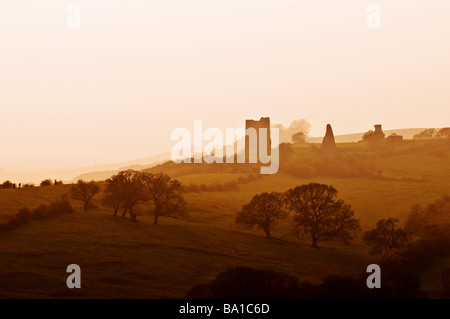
(328, 143)
(378, 134)
(264, 122)
(378, 131)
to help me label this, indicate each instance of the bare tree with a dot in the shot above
(165, 195)
(84, 191)
(263, 211)
(318, 213)
(111, 195)
(385, 236)
(125, 190)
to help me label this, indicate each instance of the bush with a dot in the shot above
(249, 283)
(47, 182)
(7, 184)
(402, 267)
(215, 187)
(24, 215)
(40, 212)
(424, 220)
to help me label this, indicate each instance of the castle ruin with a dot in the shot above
(251, 148)
(378, 133)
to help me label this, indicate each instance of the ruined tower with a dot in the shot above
(378, 131)
(328, 143)
(263, 123)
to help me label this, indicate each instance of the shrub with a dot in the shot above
(249, 283)
(7, 184)
(246, 283)
(24, 215)
(47, 182)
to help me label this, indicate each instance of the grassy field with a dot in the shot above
(141, 260)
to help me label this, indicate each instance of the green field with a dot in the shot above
(141, 260)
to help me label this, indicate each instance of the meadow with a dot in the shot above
(121, 259)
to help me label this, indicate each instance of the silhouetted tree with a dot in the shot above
(385, 236)
(298, 138)
(47, 182)
(111, 195)
(129, 189)
(425, 134)
(7, 184)
(263, 210)
(165, 195)
(422, 220)
(367, 136)
(416, 220)
(84, 191)
(318, 213)
(443, 133)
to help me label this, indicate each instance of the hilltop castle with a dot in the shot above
(263, 123)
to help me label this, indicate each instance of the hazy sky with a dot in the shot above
(115, 89)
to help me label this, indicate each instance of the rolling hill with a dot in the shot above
(141, 260)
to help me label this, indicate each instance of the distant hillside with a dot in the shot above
(95, 172)
(407, 133)
(180, 170)
(139, 164)
(102, 172)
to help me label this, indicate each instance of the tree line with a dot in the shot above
(317, 212)
(159, 193)
(432, 133)
(46, 182)
(315, 208)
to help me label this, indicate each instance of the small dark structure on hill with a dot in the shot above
(328, 143)
(375, 137)
(263, 123)
(394, 139)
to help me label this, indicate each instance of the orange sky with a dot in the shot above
(116, 88)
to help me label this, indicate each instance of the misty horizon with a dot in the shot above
(115, 89)
(28, 164)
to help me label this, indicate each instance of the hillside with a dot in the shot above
(141, 260)
(95, 172)
(106, 171)
(407, 133)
